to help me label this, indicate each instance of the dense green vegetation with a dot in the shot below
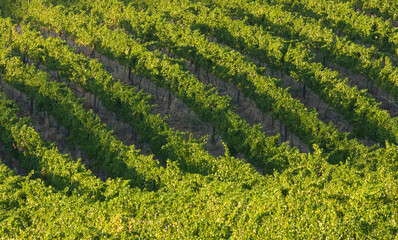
(261, 187)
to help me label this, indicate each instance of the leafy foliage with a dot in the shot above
(342, 189)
